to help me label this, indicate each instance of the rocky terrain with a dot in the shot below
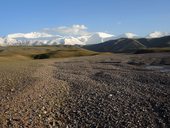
(99, 91)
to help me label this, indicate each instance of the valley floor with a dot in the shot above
(99, 91)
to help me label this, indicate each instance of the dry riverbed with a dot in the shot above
(98, 91)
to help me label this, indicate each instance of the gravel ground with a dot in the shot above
(108, 92)
(101, 91)
(33, 100)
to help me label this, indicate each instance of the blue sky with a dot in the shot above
(112, 16)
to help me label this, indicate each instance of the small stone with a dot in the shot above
(118, 92)
(110, 95)
(43, 108)
(59, 123)
(50, 118)
(12, 90)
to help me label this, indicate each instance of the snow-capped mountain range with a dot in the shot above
(37, 38)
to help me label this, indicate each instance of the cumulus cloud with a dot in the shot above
(75, 30)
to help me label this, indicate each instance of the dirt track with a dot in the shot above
(100, 91)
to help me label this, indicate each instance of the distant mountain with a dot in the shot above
(71, 41)
(32, 35)
(36, 38)
(99, 37)
(119, 45)
(84, 38)
(40, 38)
(155, 42)
(129, 45)
(1, 41)
(8, 41)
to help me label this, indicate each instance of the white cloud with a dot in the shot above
(157, 34)
(74, 30)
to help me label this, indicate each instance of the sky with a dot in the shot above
(111, 16)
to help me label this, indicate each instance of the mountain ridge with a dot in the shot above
(130, 45)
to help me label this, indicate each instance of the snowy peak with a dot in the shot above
(128, 35)
(31, 35)
(8, 41)
(1, 41)
(71, 41)
(99, 37)
(83, 38)
(157, 34)
(38, 38)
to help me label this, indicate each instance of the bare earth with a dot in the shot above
(101, 91)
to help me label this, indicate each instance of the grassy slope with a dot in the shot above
(23, 53)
